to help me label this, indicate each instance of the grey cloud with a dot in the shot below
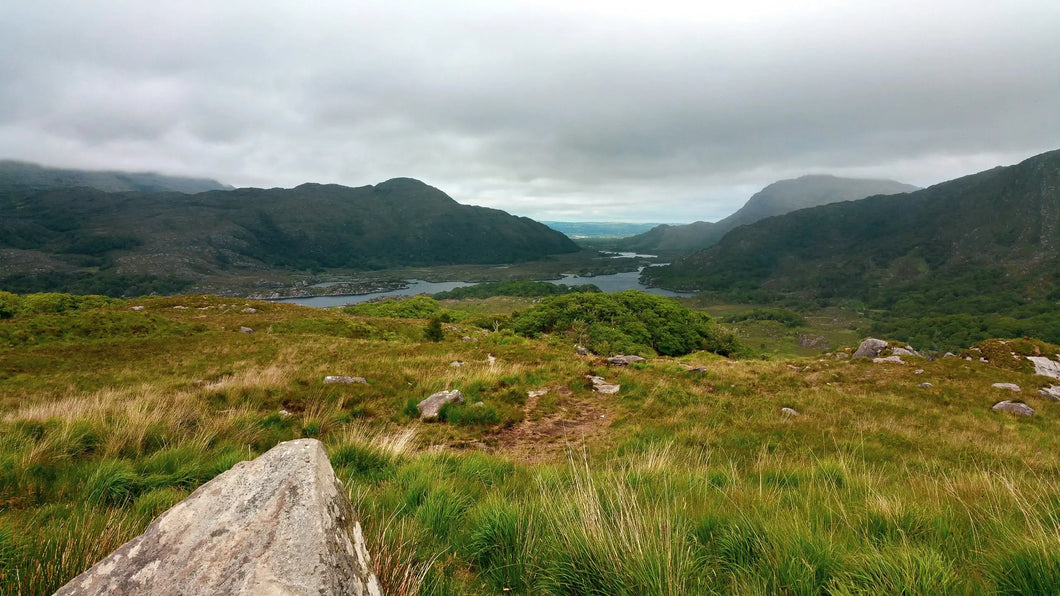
(550, 112)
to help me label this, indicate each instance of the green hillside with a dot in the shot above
(699, 474)
(776, 199)
(59, 237)
(984, 245)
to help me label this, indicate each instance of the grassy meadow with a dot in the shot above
(689, 480)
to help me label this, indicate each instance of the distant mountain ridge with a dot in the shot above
(25, 175)
(778, 198)
(998, 230)
(599, 229)
(401, 222)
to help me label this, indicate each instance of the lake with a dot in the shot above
(615, 282)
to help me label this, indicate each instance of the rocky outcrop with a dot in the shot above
(894, 359)
(1010, 386)
(1051, 393)
(870, 348)
(1045, 366)
(623, 360)
(280, 524)
(1013, 407)
(430, 407)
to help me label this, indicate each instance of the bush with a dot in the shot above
(417, 307)
(524, 289)
(434, 332)
(630, 321)
(785, 317)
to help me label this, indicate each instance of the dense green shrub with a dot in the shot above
(629, 322)
(786, 317)
(417, 307)
(525, 289)
(434, 332)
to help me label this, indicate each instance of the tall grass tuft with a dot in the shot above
(606, 541)
(504, 544)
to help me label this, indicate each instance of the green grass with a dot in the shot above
(682, 483)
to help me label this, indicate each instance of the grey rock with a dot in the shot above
(328, 380)
(430, 407)
(537, 392)
(621, 360)
(280, 524)
(1009, 386)
(1013, 407)
(180, 307)
(1052, 393)
(581, 350)
(817, 342)
(249, 310)
(457, 363)
(949, 355)
(895, 359)
(602, 386)
(904, 352)
(1045, 366)
(247, 330)
(870, 348)
(925, 385)
(788, 412)
(137, 307)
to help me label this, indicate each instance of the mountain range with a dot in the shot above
(19, 175)
(63, 234)
(776, 199)
(979, 253)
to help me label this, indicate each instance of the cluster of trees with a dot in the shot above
(524, 289)
(106, 283)
(629, 322)
(15, 305)
(786, 317)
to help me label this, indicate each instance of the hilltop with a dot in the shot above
(776, 199)
(58, 238)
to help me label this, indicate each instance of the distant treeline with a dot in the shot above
(524, 289)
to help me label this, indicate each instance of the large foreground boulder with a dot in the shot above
(278, 525)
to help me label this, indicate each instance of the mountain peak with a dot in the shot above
(777, 198)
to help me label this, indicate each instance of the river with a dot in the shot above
(615, 282)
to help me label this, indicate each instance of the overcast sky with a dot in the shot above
(566, 110)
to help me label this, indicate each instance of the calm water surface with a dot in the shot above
(616, 282)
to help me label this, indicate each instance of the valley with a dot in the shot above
(742, 447)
